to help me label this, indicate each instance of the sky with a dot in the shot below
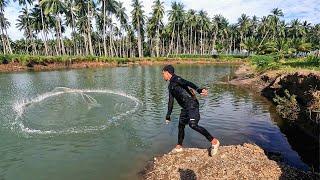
(231, 9)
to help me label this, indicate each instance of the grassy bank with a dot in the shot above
(269, 62)
(27, 59)
(292, 84)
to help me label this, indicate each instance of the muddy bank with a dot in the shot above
(33, 66)
(246, 161)
(295, 94)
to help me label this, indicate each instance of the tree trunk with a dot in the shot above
(178, 39)
(44, 32)
(85, 43)
(201, 34)
(190, 41)
(172, 35)
(104, 28)
(89, 29)
(73, 32)
(241, 37)
(157, 42)
(195, 42)
(139, 39)
(60, 36)
(3, 42)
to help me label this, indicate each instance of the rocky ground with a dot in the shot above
(246, 161)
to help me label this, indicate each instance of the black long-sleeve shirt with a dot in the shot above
(179, 89)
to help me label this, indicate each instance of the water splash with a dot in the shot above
(20, 107)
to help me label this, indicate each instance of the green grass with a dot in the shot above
(261, 62)
(26, 59)
(269, 62)
(220, 57)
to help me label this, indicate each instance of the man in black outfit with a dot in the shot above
(184, 93)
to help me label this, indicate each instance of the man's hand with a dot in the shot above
(204, 92)
(168, 119)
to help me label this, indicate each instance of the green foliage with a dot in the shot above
(264, 61)
(312, 62)
(5, 59)
(220, 56)
(189, 56)
(287, 106)
(304, 47)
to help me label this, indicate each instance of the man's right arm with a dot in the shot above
(170, 106)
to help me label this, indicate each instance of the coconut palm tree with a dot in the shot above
(123, 19)
(27, 24)
(176, 19)
(138, 23)
(108, 7)
(295, 29)
(71, 15)
(56, 8)
(191, 22)
(276, 13)
(203, 21)
(244, 24)
(23, 24)
(156, 22)
(4, 25)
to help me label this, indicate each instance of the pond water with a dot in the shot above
(107, 123)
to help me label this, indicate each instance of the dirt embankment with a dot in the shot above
(246, 161)
(295, 94)
(15, 67)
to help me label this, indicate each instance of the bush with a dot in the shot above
(287, 106)
(189, 56)
(264, 61)
(313, 61)
(4, 59)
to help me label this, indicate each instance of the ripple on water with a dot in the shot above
(65, 111)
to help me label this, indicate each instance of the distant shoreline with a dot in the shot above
(75, 64)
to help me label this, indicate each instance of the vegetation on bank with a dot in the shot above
(37, 59)
(275, 62)
(106, 28)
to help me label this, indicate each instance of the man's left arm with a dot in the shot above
(186, 83)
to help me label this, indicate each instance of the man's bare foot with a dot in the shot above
(214, 146)
(178, 148)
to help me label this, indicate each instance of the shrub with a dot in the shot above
(287, 106)
(263, 61)
(313, 61)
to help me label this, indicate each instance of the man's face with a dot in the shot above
(166, 75)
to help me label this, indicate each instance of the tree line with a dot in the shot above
(105, 28)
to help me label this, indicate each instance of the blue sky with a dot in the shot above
(231, 9)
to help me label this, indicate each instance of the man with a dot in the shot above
(183, 91)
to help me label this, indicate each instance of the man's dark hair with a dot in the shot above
(168, 68)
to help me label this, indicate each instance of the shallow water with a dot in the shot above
(112, 121)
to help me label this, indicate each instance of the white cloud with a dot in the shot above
(231, 9)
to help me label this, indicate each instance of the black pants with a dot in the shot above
(191, 116)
